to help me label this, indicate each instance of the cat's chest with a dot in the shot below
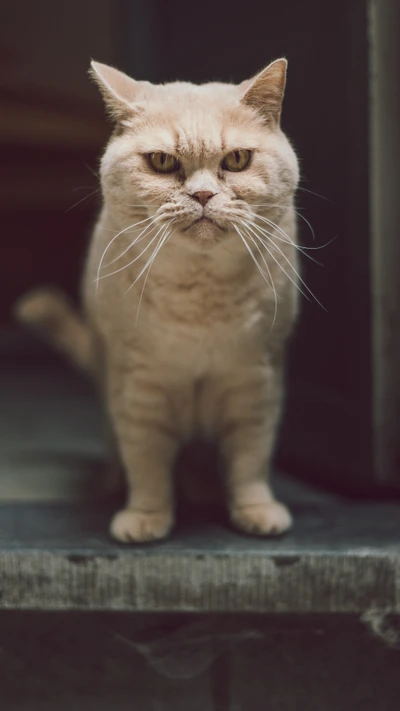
(202, 294)
(202, 325)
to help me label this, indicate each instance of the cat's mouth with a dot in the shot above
(203, 220)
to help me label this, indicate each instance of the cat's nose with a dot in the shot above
(203, 196)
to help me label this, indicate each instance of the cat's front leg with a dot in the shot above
(148, 445)
(250, 417)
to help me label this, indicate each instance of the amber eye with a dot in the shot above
(163, 162)
(237, 160)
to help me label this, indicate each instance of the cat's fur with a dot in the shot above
(204, 354)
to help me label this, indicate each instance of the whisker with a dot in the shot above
(288, 207)
(284, 271)
(283, 206)
(164, 238)
(135, 241)
(275, 246)
(86, 197)
(302, 250)
(252, 255)
(91, 170)
(83, 187)
(302, 247)
(305, 190)
(272, 224)
(128, 204)
(147, 275)
(308, 223)
(111, 242)
(136, 258)
(149, 262)
(131, 227)
(269, 274)
(298, 215)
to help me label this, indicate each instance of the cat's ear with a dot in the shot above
(118, 90)
(265, 91)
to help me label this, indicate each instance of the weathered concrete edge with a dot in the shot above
(341, 583)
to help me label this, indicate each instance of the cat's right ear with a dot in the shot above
(264, 92)
(118, 90)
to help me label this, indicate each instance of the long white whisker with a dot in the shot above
(288, 207)
(280, 265)
(135, 259)
(252, 255)
(86, 197)
(113, 240)
(269, 274)
(149, 262)
(273, 236)
(311, 192)
(302, 247)
(148, 272)
(284, 234)
(137, 239)
(286, 237)
(91, 170)
(302, 217)
(275, 246)
(164, 238)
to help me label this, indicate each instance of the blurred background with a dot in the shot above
(53, 129)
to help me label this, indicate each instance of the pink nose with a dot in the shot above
(203, 196)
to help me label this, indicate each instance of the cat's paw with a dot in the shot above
(129, 526)
(268, 519)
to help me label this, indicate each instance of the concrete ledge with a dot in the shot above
(341, 557)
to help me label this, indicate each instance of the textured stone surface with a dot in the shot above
(341, 557)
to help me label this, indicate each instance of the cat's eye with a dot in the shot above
(237, 160)
(163, 162)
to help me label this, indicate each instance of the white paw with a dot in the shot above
(268, 519)
(129, 526)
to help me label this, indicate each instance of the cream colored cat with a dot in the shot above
(189, 288)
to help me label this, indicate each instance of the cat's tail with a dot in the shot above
(50, 314)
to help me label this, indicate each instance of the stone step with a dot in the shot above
(341, 557)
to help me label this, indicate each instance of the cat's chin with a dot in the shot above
(203, 234)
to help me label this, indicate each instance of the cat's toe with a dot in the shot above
(267, 519)
(130, 526)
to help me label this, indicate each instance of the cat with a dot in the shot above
(189, 290)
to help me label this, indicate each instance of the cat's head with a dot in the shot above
(202, 158)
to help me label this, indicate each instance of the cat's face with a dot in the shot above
(201, 159)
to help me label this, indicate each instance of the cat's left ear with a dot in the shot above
(265, 92)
